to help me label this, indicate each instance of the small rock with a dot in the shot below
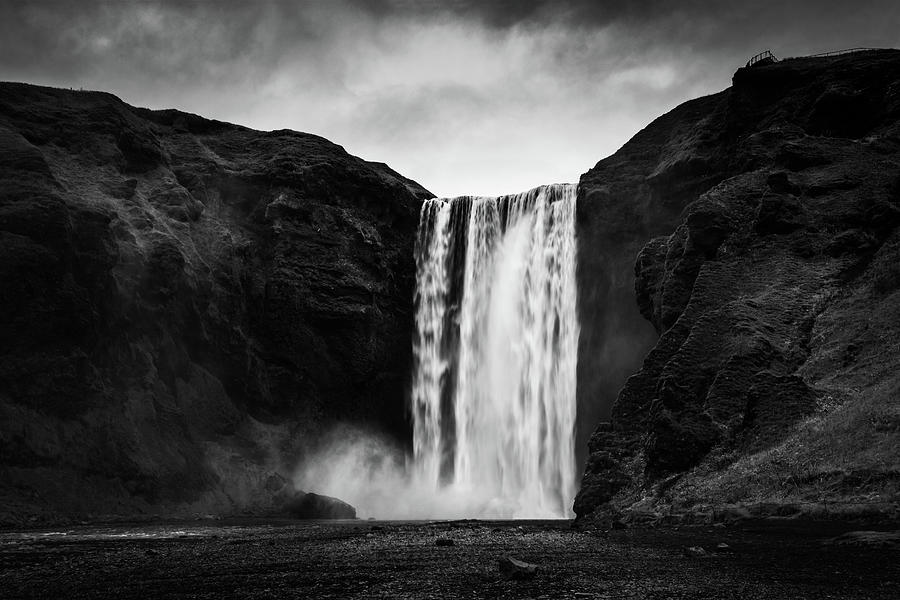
(693, 551)
(444, 542)
(511, 568)
(724, 548)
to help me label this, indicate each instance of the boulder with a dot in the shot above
(305, 505)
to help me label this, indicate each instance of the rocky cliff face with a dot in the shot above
(764, 222)
(185, 302)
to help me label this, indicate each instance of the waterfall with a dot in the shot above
(495, 349)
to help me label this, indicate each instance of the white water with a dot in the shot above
(493, 395)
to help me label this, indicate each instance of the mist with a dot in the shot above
(372, 473)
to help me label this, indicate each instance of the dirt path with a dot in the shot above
(365, 559)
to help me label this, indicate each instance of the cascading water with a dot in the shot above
(493, 396)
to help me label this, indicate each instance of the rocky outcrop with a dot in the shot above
(313, 506)
(186, 302)
(633, 196)
(764, 222)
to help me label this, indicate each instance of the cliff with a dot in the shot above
(762, 226)
(186, 303)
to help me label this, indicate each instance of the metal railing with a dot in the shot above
(761, 56)
(839, 52)
(768, 54)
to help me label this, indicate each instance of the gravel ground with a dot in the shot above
(368, 559)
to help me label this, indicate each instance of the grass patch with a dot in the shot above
(849, 453)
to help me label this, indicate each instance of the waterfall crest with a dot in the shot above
(495, 351)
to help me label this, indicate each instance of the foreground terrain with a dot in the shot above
(366, 559)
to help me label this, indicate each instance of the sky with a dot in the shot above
(466, 97)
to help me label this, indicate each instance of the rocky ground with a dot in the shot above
(367, 559)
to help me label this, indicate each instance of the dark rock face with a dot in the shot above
(627, 199)
(313, 506)
(764, 223)
(184, 302)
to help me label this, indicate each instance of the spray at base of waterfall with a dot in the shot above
(379, 479)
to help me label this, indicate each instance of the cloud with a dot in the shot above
(464, 96)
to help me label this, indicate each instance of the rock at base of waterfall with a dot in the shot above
(511, 568)
(304, 505)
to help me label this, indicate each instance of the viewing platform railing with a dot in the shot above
(839, 52)
(761, 56)
(768, 55)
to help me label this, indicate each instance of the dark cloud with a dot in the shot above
(473, 96)
(509, 13)
(735, 19)
(75, 37)
(70, 38)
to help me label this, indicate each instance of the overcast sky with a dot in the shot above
(466, 97)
